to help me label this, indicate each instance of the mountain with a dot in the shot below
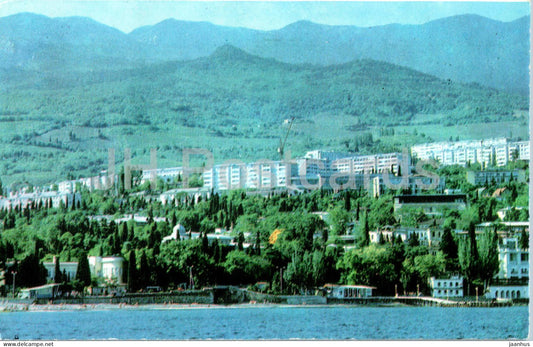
(466, 48)
(182, 40)
(35, 42)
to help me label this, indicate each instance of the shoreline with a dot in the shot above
(8, 307)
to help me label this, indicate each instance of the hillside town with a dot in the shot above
(457, 210)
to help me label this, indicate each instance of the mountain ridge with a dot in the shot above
(448, 48)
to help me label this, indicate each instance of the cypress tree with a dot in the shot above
(84, 273)
(144, 271)
(240, 241)
(347, 201)
(257, 244)
(124, 232)
(447, 245)
(57, 271)
(524, 239)
(132, 272)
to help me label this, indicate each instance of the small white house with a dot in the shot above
(451, 287)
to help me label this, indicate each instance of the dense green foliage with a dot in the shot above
(307, 253)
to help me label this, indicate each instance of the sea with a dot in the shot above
(269, 323)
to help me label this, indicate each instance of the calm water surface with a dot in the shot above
(276, 322)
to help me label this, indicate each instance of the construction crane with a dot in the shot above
(282, 144)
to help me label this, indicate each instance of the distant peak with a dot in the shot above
(302, 24)
(229, 51)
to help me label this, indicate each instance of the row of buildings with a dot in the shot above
(338, 170)
(53, 199)
(494, 152)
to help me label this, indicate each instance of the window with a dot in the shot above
(524, 257)
(512, 257)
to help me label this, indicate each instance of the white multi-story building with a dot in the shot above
(496, 151)
(368, 164)
(169, 174)
(514, 261)
(512, 280)
(257, 175)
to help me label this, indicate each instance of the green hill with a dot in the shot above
(233, 104)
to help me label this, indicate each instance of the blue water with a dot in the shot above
(276, 322)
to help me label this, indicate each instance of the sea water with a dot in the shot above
(270, 323)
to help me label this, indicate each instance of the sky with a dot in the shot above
(127, 15)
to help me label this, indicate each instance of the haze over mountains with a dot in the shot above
(465, 48)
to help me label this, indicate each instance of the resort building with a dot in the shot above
(451, 287)
(514, 261)
(478, 178)
(512, 280)
(348, 291)
(171, 174)
(67, 269)
(111, 269)
(489, 152)
(430, 204)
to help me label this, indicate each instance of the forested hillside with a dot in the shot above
(234, 104)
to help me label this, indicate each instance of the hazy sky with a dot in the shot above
(128, 15)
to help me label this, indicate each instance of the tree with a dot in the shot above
(347, 201)
(364, 232)
(339, 219)
(429, 266)
(448, 247)
(132, 272)
(489, 262)
(413, 240)
(31, 272)
(469, 257)
(144, 271)
(240, 241)
(57, 271)
(524, 239)
(298, 276)
(83, 274)
(372, 265)
(245, 269)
